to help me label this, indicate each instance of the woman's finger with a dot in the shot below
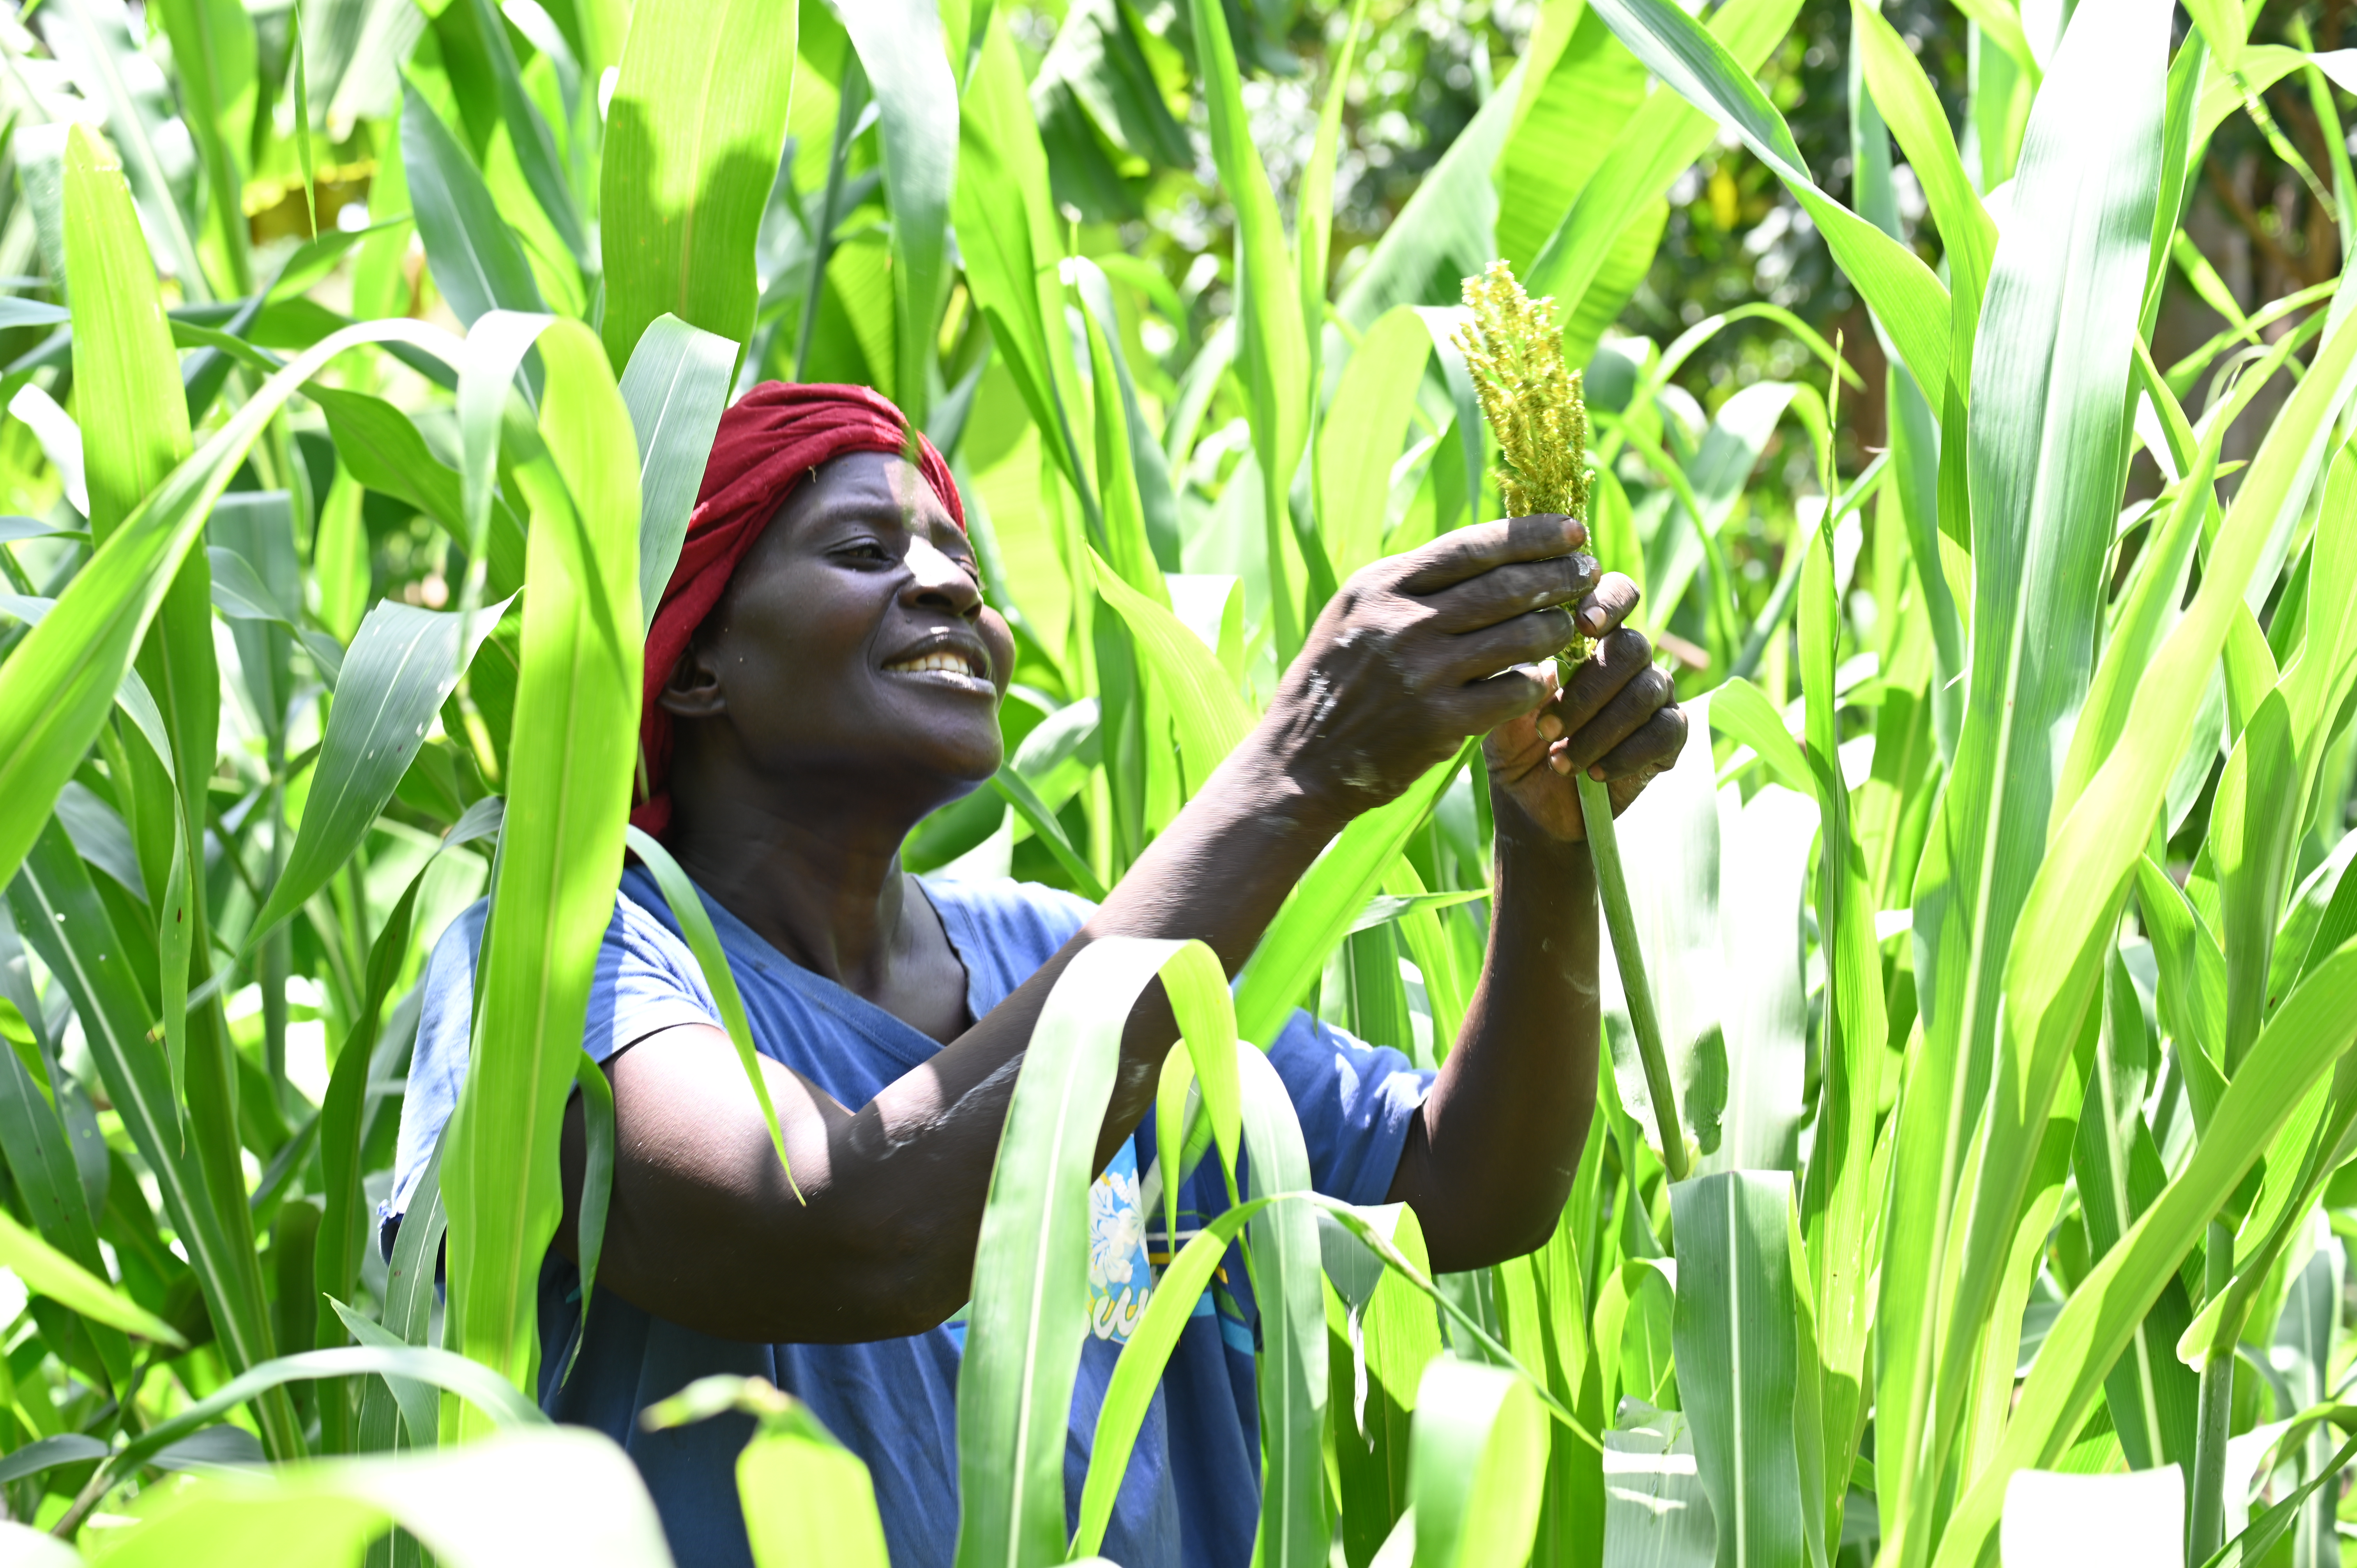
(1514, 589)
(1527, 639)
(1654, 749)
(1613, 601)
(1646, 694)
(1483, 705)
(1469, 551)
(1620, 658)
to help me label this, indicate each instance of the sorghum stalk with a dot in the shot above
(1534, 407)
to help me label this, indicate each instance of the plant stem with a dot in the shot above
(2205, 1519)
(1612, 886)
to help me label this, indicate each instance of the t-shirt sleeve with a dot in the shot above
(1355, 1102)
(646, 980)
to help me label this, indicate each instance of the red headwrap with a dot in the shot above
(769, 443)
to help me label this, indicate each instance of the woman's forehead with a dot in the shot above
(868, 487)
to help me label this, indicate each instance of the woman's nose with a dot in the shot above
(935, 578)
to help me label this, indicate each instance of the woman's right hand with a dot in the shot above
(1419, 650)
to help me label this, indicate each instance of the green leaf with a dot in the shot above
(398, 671)
(2047, 441)
(1138, 1374)
(1656, 145)
(1209, 714)
(1318, 912)
(1036, 813)
(49, 1273)
(1283, 1253)
(807, 1499)
(900, 45)
(1362, 432)
(107, 63)
(594, 1509)
(1738, 1371)
(572, 754)
(693, 135)
(1030, 1285)
(477, 264)
(528, 133)
(1478, 1460)
(2300, 1043)
(675, 385)
(1906, 298)
(59, 911)
(686, 903)
(1566, 118)
(1272, 346)
(1007, 238)
(214, 47)
(1911, 109)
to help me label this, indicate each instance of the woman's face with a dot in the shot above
(853, 640)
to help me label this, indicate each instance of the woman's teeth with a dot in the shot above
(954, 664)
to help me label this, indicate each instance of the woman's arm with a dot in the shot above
(1490, 1155)
(1414, 654)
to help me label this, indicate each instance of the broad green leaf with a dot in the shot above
(1911, 109)
(1316, 914)
(2151, 1395)
(98, 49)
(2252, 819)
(2047, 439)
(49, 1273)
(593, 1510)
(383, 449)
(1739, 1375)
(1841, 1192)
(693, 135)
(1283, 1252)
(528, 133)
(478, 264)
(59, 910)
(1313, 204)
(806, 1497)
(1036, 815)
(1138, 1372)
(900, 45)
(400, 665)
(1566, 118)
(1362, 432)
(1272, 346)
(2300, 1043)
(1207, 712)
(1656, 1513)
(687, 901)
(2054, 964)
(1657, 144)
(1907, 299)
(560, 853)
(675, 386)
(1478, 1460)
(1030, 1287)
(214, 47)
(1007, 238)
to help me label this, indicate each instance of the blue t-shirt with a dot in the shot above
(894, 1401)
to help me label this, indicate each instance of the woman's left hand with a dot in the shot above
(1618, 719)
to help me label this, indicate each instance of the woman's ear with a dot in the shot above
(693, 690)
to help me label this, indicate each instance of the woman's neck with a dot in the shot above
(820, 884)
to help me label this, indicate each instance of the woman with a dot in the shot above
(823, 674)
